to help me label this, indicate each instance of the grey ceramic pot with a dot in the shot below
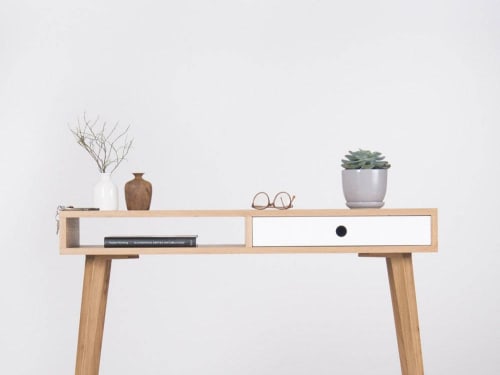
(364, 188)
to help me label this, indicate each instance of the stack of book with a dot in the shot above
(150, 241)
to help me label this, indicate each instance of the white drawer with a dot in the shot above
(329, 231)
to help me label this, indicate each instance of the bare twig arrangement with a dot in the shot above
(102, 143)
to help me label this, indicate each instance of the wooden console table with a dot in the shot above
(393, 234)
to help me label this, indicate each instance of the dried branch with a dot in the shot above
(101, 144)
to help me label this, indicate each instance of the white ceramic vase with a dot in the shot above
(364, 188)
(106, 193)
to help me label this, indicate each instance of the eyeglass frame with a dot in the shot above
(272, 204)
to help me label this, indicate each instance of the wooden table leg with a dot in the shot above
(93, 311)
(404, 304)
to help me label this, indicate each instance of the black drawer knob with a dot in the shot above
(341, 231)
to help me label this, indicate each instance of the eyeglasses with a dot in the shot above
(281, 201)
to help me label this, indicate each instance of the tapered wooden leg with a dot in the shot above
(404, 303)
(93, 311)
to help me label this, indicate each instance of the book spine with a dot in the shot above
(150, 242)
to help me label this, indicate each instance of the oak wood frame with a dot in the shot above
(98, 267)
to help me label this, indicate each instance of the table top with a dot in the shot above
(254, 213)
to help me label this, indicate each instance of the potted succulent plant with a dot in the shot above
(364, 179)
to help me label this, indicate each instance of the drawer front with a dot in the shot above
(342, 231)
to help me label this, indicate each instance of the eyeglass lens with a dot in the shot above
(282, 201)
(261, 201)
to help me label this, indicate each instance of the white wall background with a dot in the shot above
(227, 98)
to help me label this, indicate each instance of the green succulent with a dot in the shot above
(364, 159)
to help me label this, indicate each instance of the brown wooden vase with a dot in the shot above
(138, 193)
